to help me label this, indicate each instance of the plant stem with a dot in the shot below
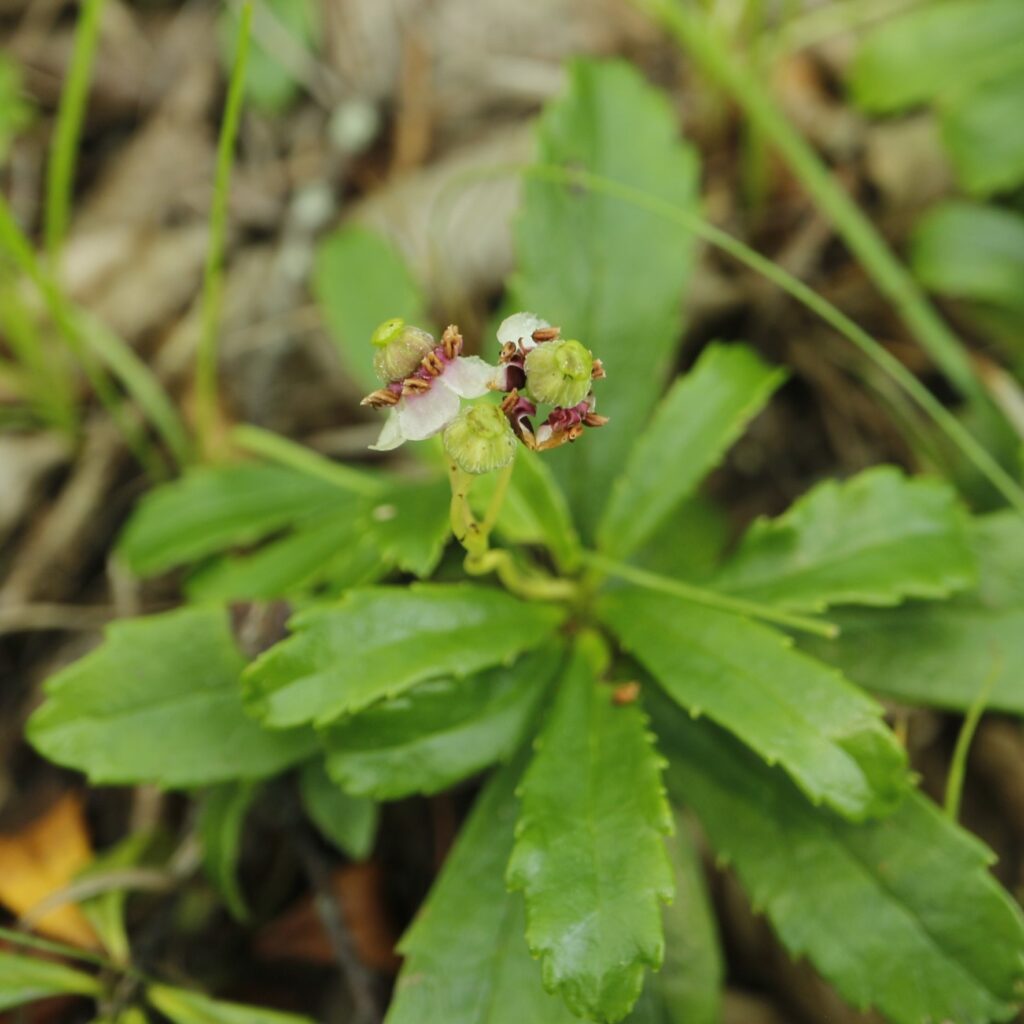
(61, 168)
(700, 38)
(878, 354)
(18, 938)
(958, 764)
(481, 559)
(206, 398)
(497, 499)
(464, 525)
(275, 448)
(138, 380)
(530, 586)
(709, 598)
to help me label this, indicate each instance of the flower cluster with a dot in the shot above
(424, 382)
(540, 366)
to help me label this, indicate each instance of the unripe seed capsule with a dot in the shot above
(559, 372)
(400, 349)
(480, 439)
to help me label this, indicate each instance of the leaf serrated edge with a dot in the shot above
(517, 879)
(954, 583)
(872, 715)
(774, 378)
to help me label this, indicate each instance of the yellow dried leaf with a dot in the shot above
(40, 860)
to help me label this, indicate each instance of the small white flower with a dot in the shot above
(419, 416)
(518, 329)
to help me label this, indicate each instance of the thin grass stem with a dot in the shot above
(877, 353)
(60, 172)
(699, 37)
(958, 763)
(207, 407)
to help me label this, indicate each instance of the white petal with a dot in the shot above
(520, 327)
(391, 436)
(422, 416)
(470, 376)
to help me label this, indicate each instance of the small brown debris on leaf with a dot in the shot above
(626, 693)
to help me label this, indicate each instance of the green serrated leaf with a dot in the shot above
(944, 655)
(936, 49)
(608, 274)
(705, 526)
(24, 979)
(688, 988)
(695, 424)
(349, 822)
(986, 157)
(222, 814)
(875, 539)
(379, 641)
(466, 961)
(216, 507)
(411, 525)
(971, 251)
(160, 701)
(589, 854)
(440, 731)
(184, 1007)
(359, 281)
(293, 564)
(339, 537)
(790, 709)
(901, 914)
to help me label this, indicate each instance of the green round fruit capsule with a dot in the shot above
(400, 349)
(480, 439)
(559, 372)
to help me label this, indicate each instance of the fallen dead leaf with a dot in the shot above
(42, 859)
(299, 933)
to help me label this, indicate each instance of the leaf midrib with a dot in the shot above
(861, 864)
(756, 581)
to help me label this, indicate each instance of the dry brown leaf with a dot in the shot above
(299, 933)
(42, 859)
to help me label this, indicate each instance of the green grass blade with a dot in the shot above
(958, 765)
(972, 450)
(68, 130)
(49, 383)
(91, 345)
(213, 279)
(695, 33)
(140, 382)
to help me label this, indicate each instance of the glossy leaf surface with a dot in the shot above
(792, 710)
(590, 852)
(160, 701)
